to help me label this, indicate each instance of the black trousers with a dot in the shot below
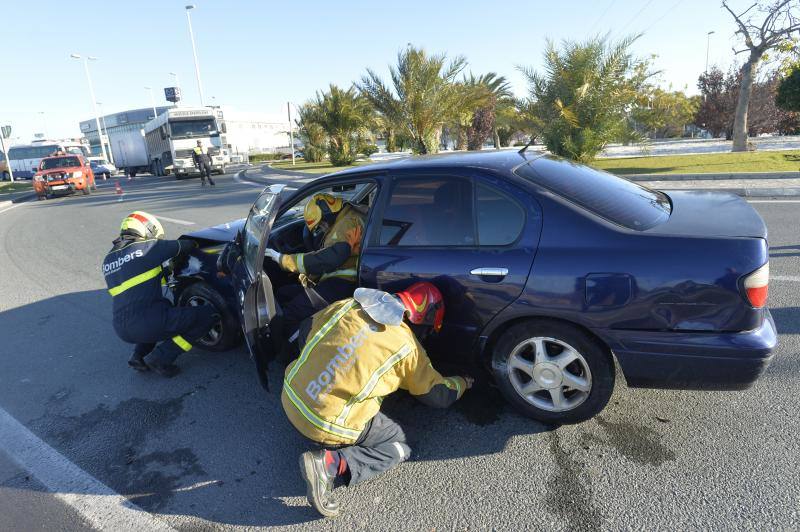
(381, 446)
(297, 307)
(205, 171)
(176, 328)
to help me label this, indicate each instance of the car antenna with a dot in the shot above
(522, 151)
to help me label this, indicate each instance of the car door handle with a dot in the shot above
(490, 272)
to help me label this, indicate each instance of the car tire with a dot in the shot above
(571, 381)
(107, 175)
(6, 176)
(226, 334)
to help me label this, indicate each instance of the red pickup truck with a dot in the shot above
(63, 174)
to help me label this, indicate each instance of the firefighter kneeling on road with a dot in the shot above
(330, 272)
(355, 353)
(142, 315)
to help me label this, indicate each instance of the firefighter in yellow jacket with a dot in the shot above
(332, 270)
(356, 352)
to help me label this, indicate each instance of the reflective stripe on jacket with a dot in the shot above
(348, 364)
(133, 271)
(334, 258)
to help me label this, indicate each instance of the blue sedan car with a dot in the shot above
(553, 274)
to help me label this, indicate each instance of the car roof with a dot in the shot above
(497, 160)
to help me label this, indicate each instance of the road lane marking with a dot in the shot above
(101, 506)
(793, 278)
(9, 208)
(238, 178)
(773, 201)
(173, 220)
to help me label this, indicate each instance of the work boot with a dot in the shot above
(203, 183)
(165, 370)
(319, 483)
(211, 182)
(137, 362)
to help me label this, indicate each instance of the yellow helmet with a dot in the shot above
(320, 205)
(141, 225)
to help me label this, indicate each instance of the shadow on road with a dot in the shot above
(209, 443)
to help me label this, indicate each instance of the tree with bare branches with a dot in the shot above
(763, 26)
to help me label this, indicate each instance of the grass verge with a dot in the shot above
(705, 163)
(7, 187)
(323, 167)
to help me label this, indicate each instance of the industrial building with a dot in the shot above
(245, 132)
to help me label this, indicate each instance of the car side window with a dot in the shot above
(500, 218)
(429, 212)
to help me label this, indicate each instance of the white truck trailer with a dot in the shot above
(171, 136)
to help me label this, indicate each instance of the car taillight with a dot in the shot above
(756, 286)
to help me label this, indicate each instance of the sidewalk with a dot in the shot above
(6, 200)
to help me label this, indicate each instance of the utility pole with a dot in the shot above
(708, 44)
(105, 130)
(152, 101)
(194, 52)
(5, 132)
(291, 133)
(94, 101)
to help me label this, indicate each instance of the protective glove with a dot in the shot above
(272, 254)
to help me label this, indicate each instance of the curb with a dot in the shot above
(711, 177)
(748, 192)
(19, 199)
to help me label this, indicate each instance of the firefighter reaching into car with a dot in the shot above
(331, 272)
(354, 353)
(142, 315)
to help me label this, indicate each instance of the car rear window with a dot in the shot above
(614, 198)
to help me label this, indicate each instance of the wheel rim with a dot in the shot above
(549, 374)
(214, 335)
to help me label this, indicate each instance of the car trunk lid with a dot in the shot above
(707, 214)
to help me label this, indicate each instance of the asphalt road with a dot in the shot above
(211, 450)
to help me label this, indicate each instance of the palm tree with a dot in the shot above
(423, 96)
(583, 95)
(315, 142)
(491, 93)
(345, 117)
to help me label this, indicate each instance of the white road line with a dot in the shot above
(173, 220)
(793, 278)
(238, 178)
(102, 507)
(12, 207)
(774, 201)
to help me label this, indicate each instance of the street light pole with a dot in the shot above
(291, 133)
(152, 101)
(94, 101)
(708, 44)
(44, 124)
(194, 52)
(105, 129)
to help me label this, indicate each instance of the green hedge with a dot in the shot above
(259, 157)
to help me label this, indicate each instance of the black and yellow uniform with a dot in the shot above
(203, 164)
(334, 269)
(142, 315)
(349, 362)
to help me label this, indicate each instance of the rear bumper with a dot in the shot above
(695, 361)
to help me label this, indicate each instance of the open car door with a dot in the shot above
(256, 300)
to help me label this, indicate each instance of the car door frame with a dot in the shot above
(486, 177)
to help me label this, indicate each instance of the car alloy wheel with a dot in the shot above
(549, 374)
(214, 335)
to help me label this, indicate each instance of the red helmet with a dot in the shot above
(424, 304)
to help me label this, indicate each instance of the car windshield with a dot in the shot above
(256, 225)
(184, 129)
(614, 198)
(59, 162)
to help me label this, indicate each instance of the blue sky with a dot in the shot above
(258, 55)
